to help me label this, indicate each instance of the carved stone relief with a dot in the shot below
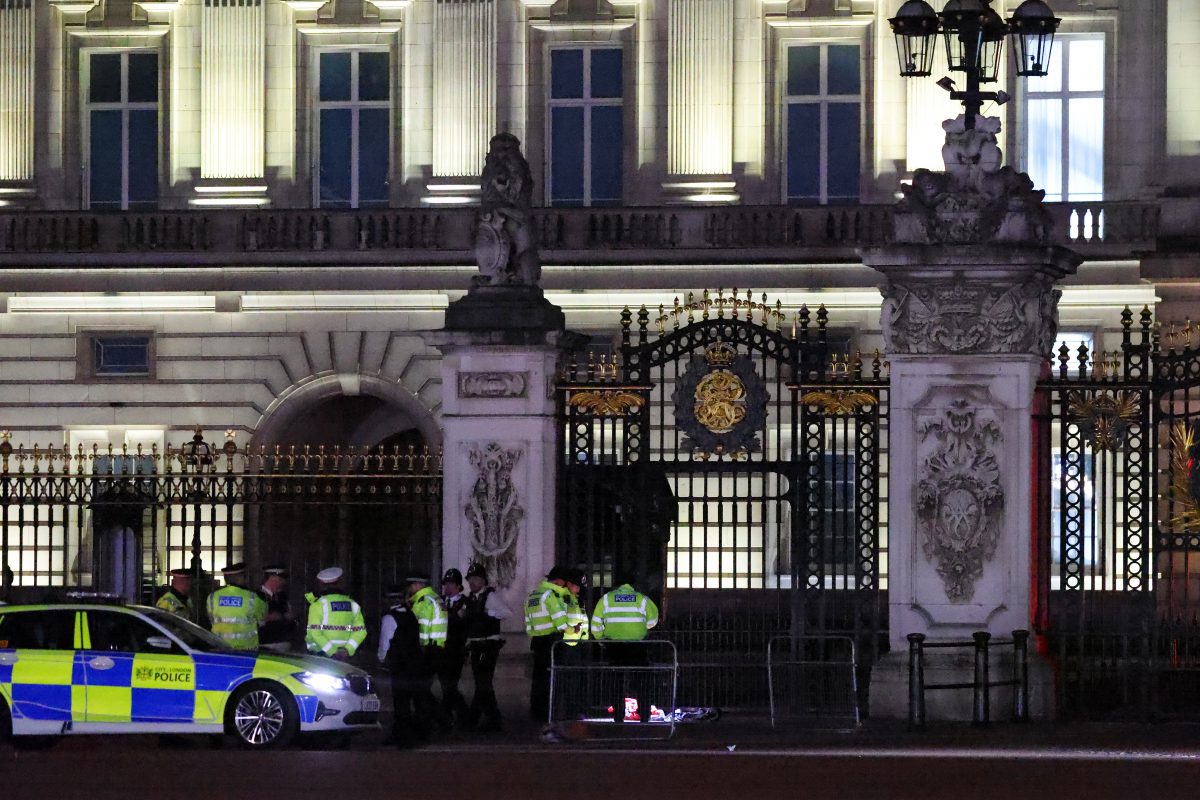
(494, 511)
(958, 317)
(959, 499)
(492, 384)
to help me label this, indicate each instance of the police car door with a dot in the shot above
(135, 673)
(37, 662)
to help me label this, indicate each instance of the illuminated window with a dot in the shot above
(822, 123)
(1064, 122)
(121, 135)
(586, 122)
(354, 111)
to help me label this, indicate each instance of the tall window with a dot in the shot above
(122, 138)
(1064, 117)
(586, 126)
(354, 128)
(823, 107)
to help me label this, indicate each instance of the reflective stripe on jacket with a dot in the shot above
(235, 614)
(624, 615)
(546, 610)
(432, 622)
(335, 622)
(173, 604)
(577, 623)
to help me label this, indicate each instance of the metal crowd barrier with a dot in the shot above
(616, 690)
(813, 681)
(981, 686)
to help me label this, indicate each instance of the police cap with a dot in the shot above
(452, 576)
(330, 575)
(477, 570)
(417, 577)
(395, 591)
(275, 569)
(574, 576)
(181, 573)
(234, 569)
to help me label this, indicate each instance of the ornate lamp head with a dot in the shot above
(1032, 27)
(915, 27)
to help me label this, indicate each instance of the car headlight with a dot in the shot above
(323, 682)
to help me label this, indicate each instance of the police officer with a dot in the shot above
(623, 617)
(279, 627)
(235, 611)
(454, 653)
(432, 628)
(413, 706)
(175, 597)
(546, 623)
(483, 611)
(336, 627)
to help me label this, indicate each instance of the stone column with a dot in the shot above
(969, 312)
(232, 103)
(17, 56)
(500, 349)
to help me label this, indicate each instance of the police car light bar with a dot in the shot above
(111, 598)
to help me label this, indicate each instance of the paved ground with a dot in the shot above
(731, 758)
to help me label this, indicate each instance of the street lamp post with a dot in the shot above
(974, 34)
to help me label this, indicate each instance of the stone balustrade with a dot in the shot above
(1098, 230)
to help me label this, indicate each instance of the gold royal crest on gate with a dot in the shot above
(720, 403)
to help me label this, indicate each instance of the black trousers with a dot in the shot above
(414, 709)
(449, 672)
(483, 656)
(539, 690)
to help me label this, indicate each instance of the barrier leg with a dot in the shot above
(981, 711)
(916, 682)
(1020, 676)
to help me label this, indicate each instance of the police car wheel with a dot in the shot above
(263, 716)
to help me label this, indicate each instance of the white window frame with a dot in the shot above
(124, 106)
(1063, 96)
(355, 106)
(823, 100)
(587, 103)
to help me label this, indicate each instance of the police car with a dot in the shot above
(87, 668)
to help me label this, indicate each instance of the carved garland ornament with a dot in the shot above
(839, 402)
(1105, 418)
(494, 511)
(959, 499)
(607, 402)
(491, 385)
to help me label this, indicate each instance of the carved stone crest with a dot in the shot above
(960, 317)
(959, 499)
(720, 403)
(492, 384)
(506, 247)
(494, 511)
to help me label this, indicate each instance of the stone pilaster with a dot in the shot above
(17, 55)
(232, 103)
(700, 98)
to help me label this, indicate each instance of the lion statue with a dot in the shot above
(505, 238)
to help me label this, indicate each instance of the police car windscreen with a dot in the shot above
(191, 634)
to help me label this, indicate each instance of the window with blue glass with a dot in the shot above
(587, 126)
(822, 123)
(121, 142)
(354, 110)
(121, 355)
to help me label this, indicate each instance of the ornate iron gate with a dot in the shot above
(119, 520)
(731, 465)
(1119, 577)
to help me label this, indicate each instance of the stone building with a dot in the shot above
(243, 215)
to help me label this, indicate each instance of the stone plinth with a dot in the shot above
(966, 327)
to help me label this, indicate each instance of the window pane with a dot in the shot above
(803, 151)
(114, 632)
(373, 161)
(121, 355)
(40, 630)
(566, 73)
(803, 70)
(143, 77)
(143, 157)
(566, 156)
(1045, 147)
(335, 158)
(374, 80)
(843, 152)
(104, 81)
(843, 69)
(1085, 162)
(1086, 61)
(335, 76)
(104, 159)
(606, 73)
(607, 145)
